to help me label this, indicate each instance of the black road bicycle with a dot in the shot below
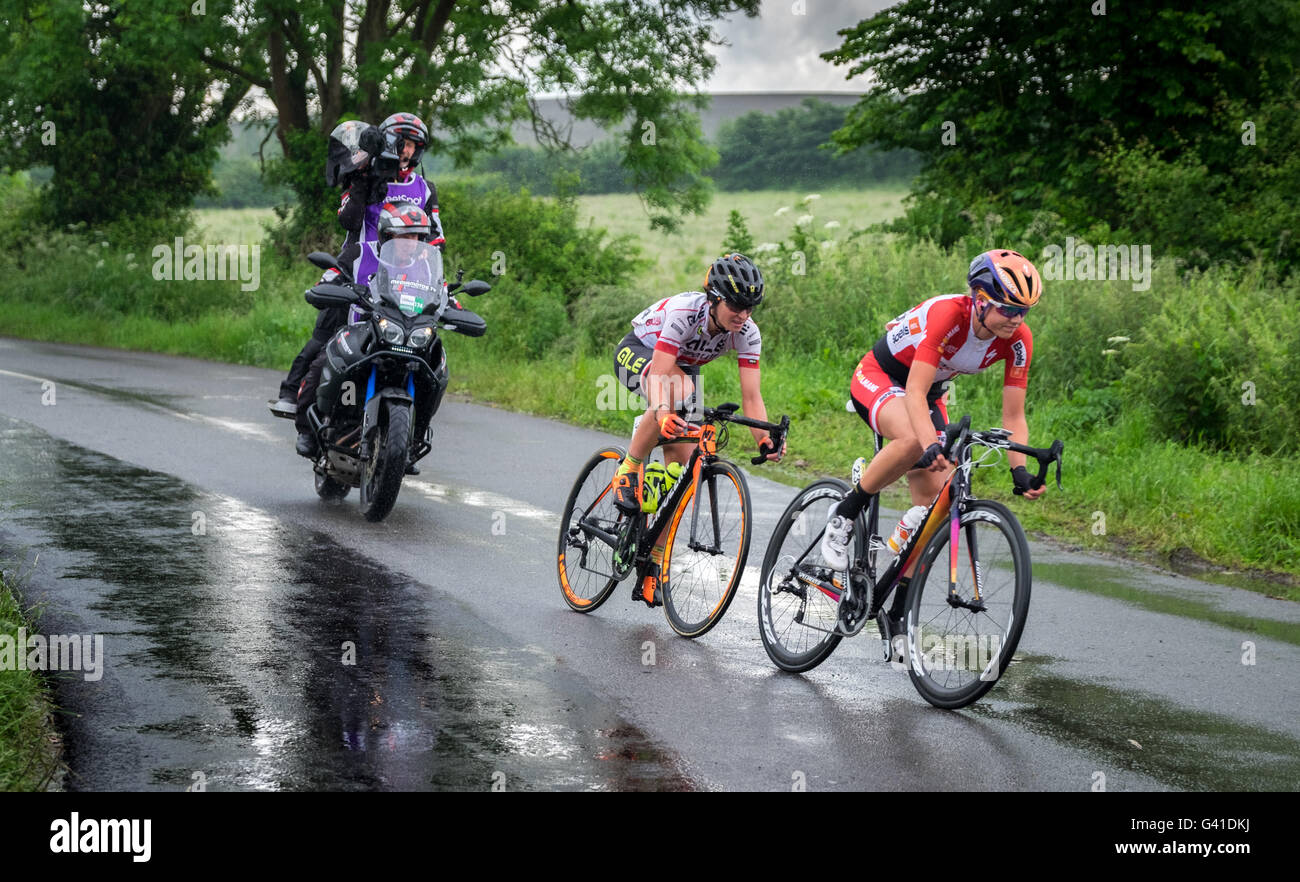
(706, 515)
(955, 627)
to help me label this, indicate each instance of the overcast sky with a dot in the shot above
(778, 51)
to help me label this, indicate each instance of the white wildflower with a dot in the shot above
(811, 197)
(1117, 339)
(804, 220)
(1110, 352)
(782, 210)
(831, 225)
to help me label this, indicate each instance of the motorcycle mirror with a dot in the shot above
(475, 288)
(324, 261)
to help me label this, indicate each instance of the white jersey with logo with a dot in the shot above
(679, 325)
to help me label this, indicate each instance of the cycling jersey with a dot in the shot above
(679, 325)
(941, 332)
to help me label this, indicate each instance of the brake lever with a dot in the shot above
(777, 438)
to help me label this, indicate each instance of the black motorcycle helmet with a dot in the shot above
(735, 279)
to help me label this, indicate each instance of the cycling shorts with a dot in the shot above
(871, 387)
(632, 363)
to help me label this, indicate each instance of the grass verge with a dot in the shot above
(29, 743)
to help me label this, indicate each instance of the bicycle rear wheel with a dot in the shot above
(587, 570)
(703, 574)
(955, 653)
(797, 619)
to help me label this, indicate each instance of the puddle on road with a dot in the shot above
(1182, 748)
(1100, 580)
(266, 656)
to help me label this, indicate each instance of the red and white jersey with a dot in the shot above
(679, 325)
(941, 332)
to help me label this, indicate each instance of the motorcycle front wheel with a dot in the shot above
(382, 475)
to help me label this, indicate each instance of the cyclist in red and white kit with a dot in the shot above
(661, 358)
(898, 386)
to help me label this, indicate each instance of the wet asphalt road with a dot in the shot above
(262, 639)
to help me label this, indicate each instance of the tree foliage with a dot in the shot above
(784, 149)
(115, 99)
(1023, 108)
(470, 69)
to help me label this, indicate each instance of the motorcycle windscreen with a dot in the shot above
(410, 277)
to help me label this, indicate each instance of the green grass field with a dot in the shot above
(233, 226)
(678, 261)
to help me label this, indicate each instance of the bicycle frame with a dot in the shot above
(645, 531)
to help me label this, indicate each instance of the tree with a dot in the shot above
(759, 151)
(1016, 104)
(117, 101)
(470, 69)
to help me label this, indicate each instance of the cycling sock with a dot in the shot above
(630, 462)
(851, 506)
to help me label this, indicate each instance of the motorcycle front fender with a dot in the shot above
(370, 420)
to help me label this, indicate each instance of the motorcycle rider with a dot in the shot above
(387, 175)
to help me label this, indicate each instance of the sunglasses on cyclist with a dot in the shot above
(1005, 311)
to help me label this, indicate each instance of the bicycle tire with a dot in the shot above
(701, 584)
(593, 486)
(935, 662)
(791, 643)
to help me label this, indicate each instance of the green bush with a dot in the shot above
(1215, 365)
(540, 263)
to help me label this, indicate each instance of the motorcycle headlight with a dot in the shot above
(391, 332)
(420, 338)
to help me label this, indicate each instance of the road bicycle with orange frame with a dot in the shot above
(707, 518)
(955, 627)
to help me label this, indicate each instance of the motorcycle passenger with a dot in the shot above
(387, 176)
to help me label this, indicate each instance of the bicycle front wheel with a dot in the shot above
(959, 643)
(797, 619)
(708, 544)
(587, 570)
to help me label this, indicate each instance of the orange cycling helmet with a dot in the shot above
(1005, 277)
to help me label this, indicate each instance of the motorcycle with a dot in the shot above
(384, 369)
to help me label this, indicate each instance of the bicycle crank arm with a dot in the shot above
(594, 532)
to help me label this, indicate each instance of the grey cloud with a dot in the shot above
(779, 51)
